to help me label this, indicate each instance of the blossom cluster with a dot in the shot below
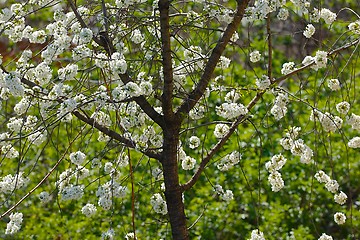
(257, 235)
(279, 109)
(15, 223)
(333, 187)
(273, 166)
(158, 204)
(229, 161)
(296, 145)
(225, 195)
(329, 122)
(9, 183)
(108, 191)
(230, 109)
(88, 210)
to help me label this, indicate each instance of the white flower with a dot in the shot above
(228, 196)
(9, 183)
(343, 107)
(263, 82)
(194, 142)
(72, 192)
(354, 142)
(339, 218)
(229, 161)
(332, 186)
(307, 60)
(158, 204)
(276, 163)
(68, 72)
(234, 37)
(130, 236)
(108, 235)
(320, 60)
(224, 62)
(15, 223)
(232, 96)
(188, 163)
(355, 27)
(309, 31)
(276, 181)
(85, 36)
(283, 14)
(88, 210)
(325, 237)
(354, 121)
(288, 68)
(286, 143)
(44, 197)
(231, 110)
(255, 56)
(257, 235)
(330, 123)
(37, 138)
(340, 198)
(137, 37)
(77, 157)
(278, 112)
(322, 177)
(9, 151)
(334, 84)
(221, 130)
(328, 16)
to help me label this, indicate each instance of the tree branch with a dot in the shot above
(198, 92)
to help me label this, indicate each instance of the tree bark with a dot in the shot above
(173, 193)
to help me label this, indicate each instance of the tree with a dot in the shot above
(172, 88)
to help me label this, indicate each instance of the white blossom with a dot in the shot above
(158, 204)
(340, 198)
(255, 56)
(231, 110)
(194, 142)
(283, 14)
(263, 82)
(328, 16)
(355, 27)
(354, 121)
(15, 223)
(88, 210)
(229, 161)
(257, 235)
(343, 107)
(339, 218)
(72, 192)
(188, 163)
(221, 130)
(44, 197)
(276, 181)
(77, 157)
(325, 237)
(354, 142)
(288, 68)
(309, 31)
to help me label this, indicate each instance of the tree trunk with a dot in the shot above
(173, 193)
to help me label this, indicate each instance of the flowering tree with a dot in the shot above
(118, 108)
